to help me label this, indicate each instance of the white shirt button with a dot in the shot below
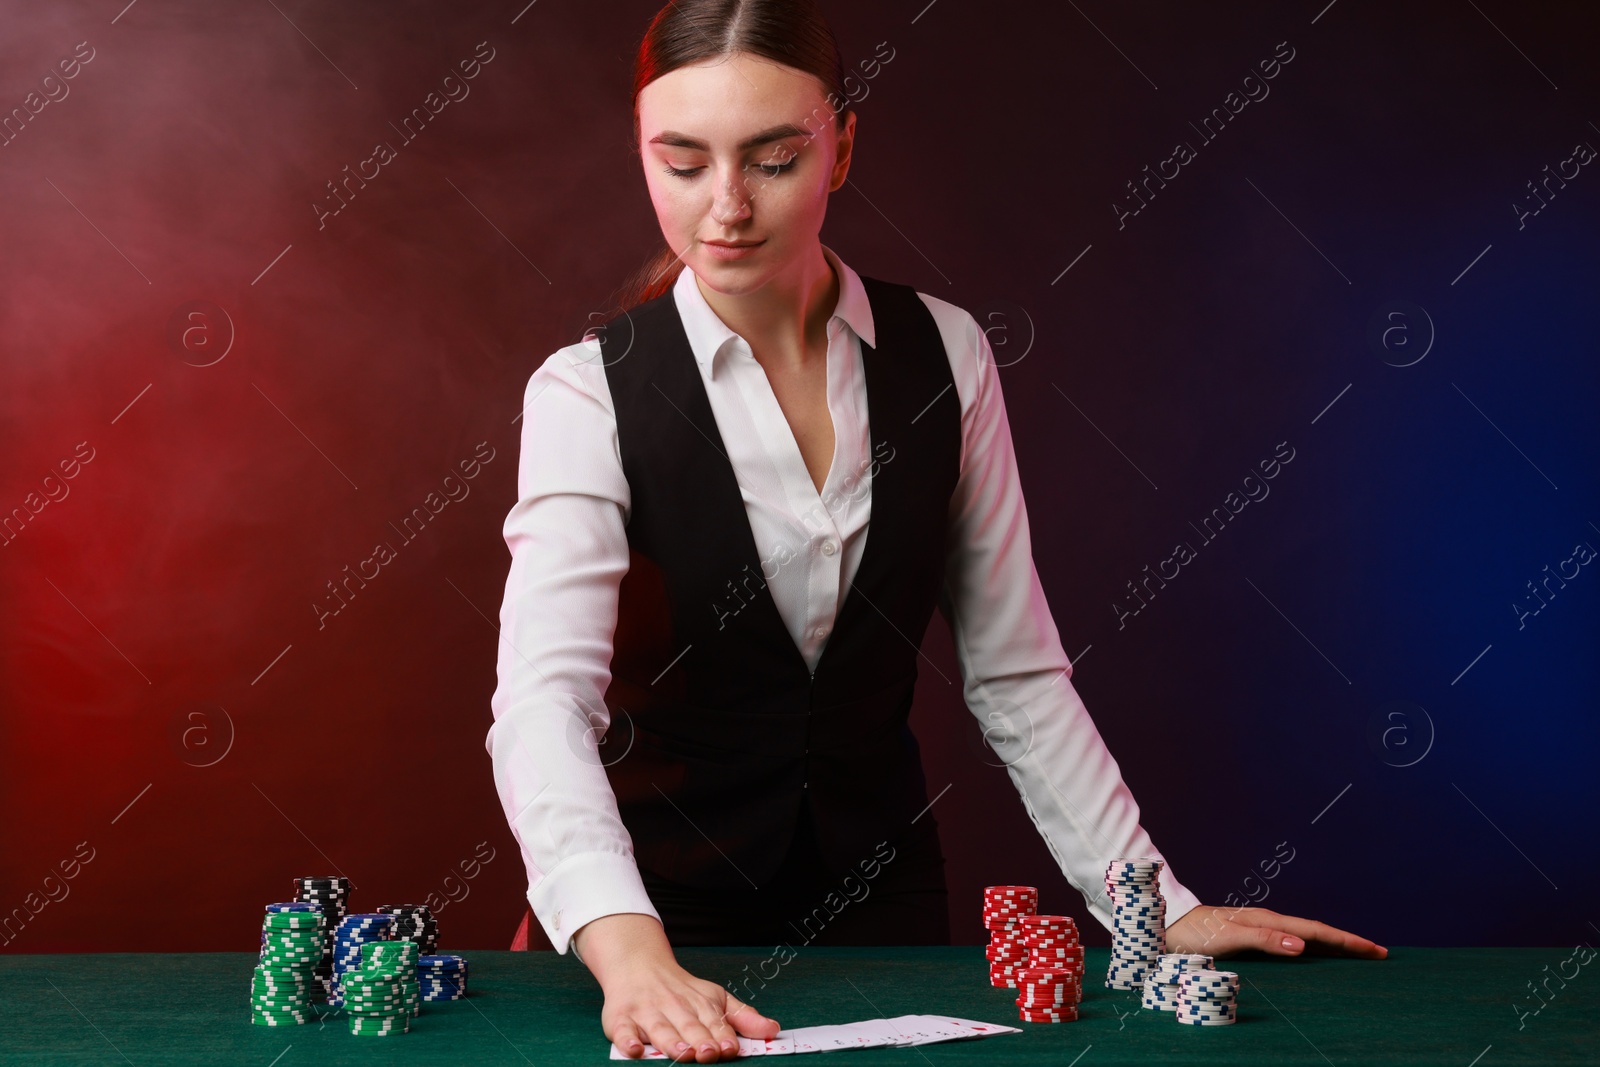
(821, 631)
(829, 548)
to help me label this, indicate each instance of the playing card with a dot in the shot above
(835, 1038)
(973, 1027)
(867, 1033)
(776, 1046)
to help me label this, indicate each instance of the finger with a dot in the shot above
(1340, 941)
(1268, 939)
(664, 1036)
(721, 1030)
(626, 1037)
(748, 1021)
(701, 1047)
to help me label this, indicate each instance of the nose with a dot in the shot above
(730, 205)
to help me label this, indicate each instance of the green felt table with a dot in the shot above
(1420, 1006)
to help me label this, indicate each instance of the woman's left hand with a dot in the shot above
(1220, 932)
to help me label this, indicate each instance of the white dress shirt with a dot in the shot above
(569, 551)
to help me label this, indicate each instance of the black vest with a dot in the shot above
(712, 757)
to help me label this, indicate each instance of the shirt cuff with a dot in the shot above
(585, 887)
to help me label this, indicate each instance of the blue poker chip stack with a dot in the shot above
(1138, 921)
(1208, 998)
(353, 932)
(1162, 991)
(442, 977)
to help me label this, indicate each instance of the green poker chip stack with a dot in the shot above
(399, 958)
(376, 1002)
(281, 987)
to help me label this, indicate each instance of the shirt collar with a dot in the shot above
(709, 336)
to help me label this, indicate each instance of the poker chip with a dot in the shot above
(283, 981)
(1022, 940)
(362, 1026)
(399, 959)
(1208, 982)
(1004, 904)
(414, 922)
(382, 991)
(1005, 908)
(1164, 988)
(370, 963)
(331, 896)
(1006, 956)
(1202, 996)
(1138, 921)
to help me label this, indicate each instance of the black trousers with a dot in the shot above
(903, 902)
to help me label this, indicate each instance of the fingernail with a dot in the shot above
(1293, 944)
(681, 1047)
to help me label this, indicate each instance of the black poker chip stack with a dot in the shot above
(414, 922)
(332, 895)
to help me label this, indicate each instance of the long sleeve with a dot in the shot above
(1017, 678)
(569, 551)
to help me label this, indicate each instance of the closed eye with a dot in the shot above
(771, 170)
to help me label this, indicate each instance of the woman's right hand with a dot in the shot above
(650, 998)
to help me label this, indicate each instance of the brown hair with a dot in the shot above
(791, 32)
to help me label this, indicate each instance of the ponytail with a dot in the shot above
(655, 277)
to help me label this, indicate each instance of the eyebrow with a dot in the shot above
(776, 133)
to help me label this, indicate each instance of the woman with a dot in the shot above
(692, 576)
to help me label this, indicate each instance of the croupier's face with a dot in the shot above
(744, 151)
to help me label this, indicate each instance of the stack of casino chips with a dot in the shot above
(442, 977)
(294, 905)
(355, 931)
(281, 988)
(414, 922)
(1161, 984)
(401, 958)
(1003, 909)
(331, 894)
(1052, 941)
(376, 1001)
(1047, 995)
(1138, 921)
(1208, 998)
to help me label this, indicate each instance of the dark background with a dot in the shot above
(158, 617)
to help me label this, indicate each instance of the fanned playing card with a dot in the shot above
(868, 1033)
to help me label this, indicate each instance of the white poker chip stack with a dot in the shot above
(1138, 921)
(1208, 998)
(1161, 989)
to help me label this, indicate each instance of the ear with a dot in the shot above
(846, 144)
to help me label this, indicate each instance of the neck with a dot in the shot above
(788, 316)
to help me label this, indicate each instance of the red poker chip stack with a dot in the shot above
(1048, 995)
(1052, 942)
(1004, 906)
